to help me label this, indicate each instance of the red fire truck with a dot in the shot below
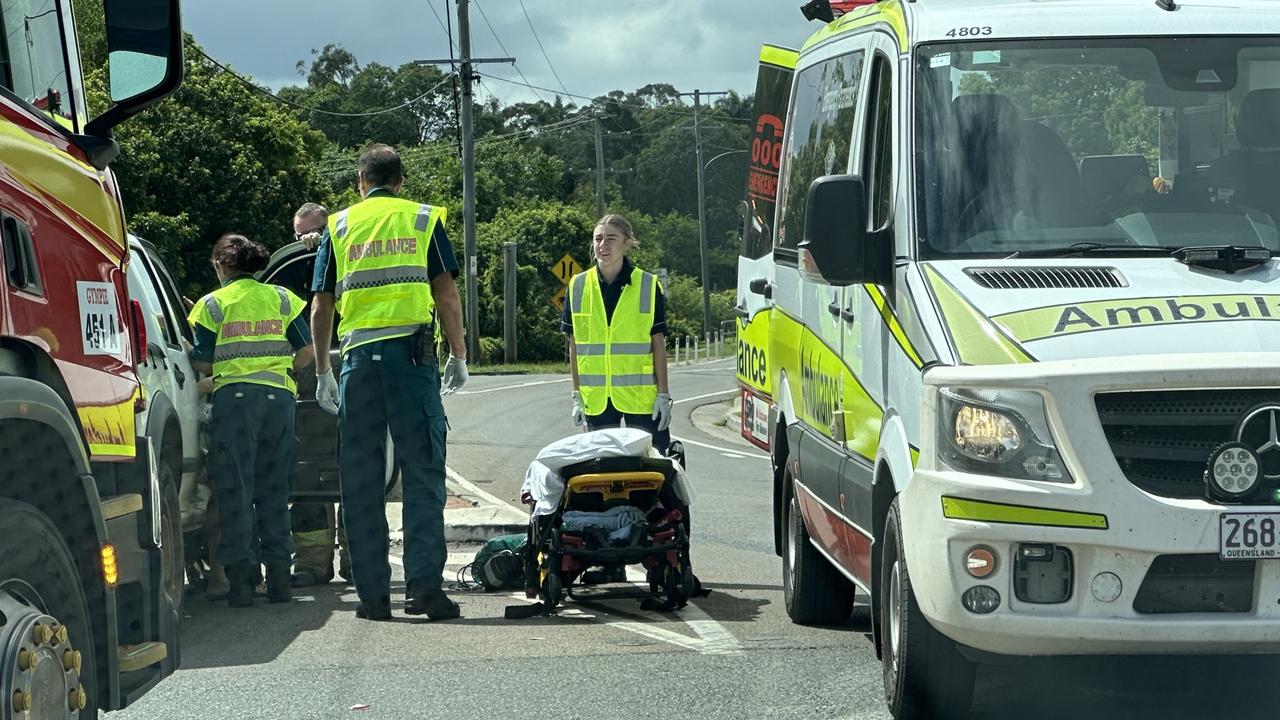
(88, 616)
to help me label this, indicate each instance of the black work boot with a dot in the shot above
(241, 581)
(278, 585)
(375, 609)
(430, 602)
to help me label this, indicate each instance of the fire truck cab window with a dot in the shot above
(32, 62)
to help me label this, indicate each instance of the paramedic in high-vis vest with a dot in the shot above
(387, 268)
(616, 319)
(251, 336)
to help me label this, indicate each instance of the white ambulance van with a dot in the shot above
(1024, 344)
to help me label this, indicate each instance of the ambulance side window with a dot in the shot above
(877, 157)
(820, 132)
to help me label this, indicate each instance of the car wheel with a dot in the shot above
(173, 556)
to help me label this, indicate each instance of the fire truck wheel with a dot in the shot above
(46, 648)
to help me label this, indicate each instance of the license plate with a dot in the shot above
(1249, 536)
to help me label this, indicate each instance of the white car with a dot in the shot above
(171, 419)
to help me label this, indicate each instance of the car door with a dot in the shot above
(175, 334)
(316, 477)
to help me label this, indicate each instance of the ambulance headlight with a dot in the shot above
(998, 432)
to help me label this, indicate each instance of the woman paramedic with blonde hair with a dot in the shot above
(616, 319)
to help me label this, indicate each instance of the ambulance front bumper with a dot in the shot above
(1145, 573)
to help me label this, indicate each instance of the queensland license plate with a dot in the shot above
(1249, 536)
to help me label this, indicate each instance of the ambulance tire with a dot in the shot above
(925, 676)
(815, 592)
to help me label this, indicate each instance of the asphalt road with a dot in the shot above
(733, 654)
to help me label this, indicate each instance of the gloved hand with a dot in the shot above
(327, 392)
(662, 411)
(579, 412)
(455, 375)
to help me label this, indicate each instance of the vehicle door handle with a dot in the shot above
(834, 309)
(848, 315)
(180, 376)
(741, 312)
(761, 286)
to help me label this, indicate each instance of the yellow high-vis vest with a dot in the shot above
(615, 357)
(380, 249)
(251, 321)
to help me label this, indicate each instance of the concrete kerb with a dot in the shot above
(487, 517)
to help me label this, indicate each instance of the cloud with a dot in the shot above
(594, 46)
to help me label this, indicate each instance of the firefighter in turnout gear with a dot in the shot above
(251, 336)
(386, 266)
(616, 319)
(315, 524)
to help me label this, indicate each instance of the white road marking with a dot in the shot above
(701, 397)
(512, 387)
(722, 450)
(473, 489)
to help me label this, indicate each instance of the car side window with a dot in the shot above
(32, 63)
(175, 308)
(820, 132)
(167, 326)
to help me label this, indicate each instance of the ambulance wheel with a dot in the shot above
(46, 647)
(925, 676)
(815, 592)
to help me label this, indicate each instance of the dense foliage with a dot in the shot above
(222, 155)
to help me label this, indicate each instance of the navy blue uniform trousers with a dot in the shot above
(252, 462)
(383, 387)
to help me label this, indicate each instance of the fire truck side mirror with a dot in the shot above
(144, 58)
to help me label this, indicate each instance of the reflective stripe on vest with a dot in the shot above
(251, 322)
(614, 356)
(380, 248)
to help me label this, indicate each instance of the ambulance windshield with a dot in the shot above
(1136, 142)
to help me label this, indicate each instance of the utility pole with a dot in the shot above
(702, 208)
(509, 302)
(472, 315)
(599, 171)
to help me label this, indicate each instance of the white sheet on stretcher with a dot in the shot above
(542, 481)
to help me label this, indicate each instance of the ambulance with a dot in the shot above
(1023, 344)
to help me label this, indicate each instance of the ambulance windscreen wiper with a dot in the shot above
(1092, 248)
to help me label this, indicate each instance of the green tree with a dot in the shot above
(214, 157)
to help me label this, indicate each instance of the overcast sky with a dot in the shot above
(594, 45)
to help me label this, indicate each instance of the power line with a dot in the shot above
(448, 30)
(256, 88)
(501, 46)
(674, 110)
(544, 50)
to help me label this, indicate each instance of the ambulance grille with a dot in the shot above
(1047, 277)
(1162, 439)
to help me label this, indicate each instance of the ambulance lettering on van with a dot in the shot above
(1033, 266)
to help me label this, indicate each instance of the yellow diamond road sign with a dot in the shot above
(565, 268)
(558, 299)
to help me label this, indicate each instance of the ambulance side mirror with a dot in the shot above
(837, 249)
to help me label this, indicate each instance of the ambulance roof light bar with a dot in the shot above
(829, 10)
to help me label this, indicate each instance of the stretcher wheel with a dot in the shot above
(552, 587)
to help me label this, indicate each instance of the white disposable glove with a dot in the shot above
(455, 375)
(579, 412)
(327, 392)
(662, 411)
